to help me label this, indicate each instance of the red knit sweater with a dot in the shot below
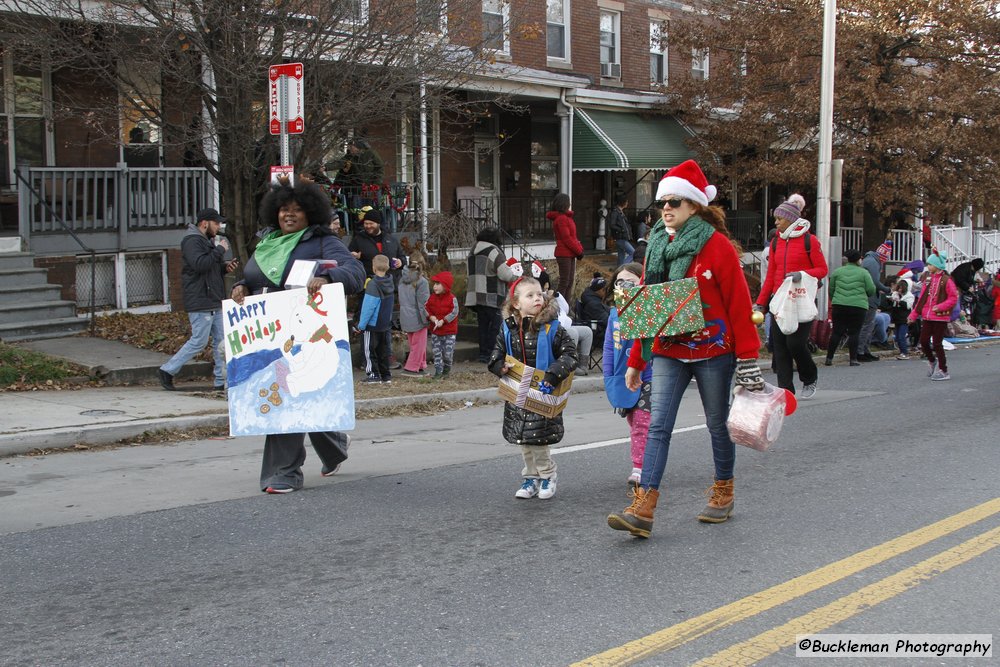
(726, 301)
(790, 255)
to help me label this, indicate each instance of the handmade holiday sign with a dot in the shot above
(288, 362)
(520, 387)
(665, 309)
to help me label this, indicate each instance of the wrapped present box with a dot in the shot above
(520, 387)
(665, 309)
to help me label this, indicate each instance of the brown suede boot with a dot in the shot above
(637, 518)
(720, 504)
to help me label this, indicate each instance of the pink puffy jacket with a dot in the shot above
(930, 308)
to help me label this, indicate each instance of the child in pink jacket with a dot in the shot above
(937, 299)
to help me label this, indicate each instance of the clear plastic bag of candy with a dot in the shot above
(756, 417)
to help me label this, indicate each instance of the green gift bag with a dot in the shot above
(665, 309)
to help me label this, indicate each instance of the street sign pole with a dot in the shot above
(823, 183)
(283, 116)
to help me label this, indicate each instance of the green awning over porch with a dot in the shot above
(612, 141)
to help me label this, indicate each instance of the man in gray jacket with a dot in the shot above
(203, 273)
(873, 263)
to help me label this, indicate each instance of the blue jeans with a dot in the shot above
(880, 334)
(670, 378)
(902, 338)
(203, 324)
(625, 250)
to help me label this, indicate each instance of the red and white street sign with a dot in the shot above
(289, 74)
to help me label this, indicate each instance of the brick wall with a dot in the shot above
(62, 272)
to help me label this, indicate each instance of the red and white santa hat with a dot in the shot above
(515, 266)
(686, 180)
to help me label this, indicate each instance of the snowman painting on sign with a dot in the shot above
(289, 363)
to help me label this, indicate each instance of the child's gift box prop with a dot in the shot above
(665, 309)
(520, 387)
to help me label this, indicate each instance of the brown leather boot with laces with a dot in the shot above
(720, 503)
(637, 518)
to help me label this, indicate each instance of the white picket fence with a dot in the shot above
(958, 244)
(906, 244)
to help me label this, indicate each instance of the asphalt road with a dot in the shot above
(420, 555)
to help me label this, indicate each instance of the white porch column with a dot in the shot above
(565, 114)
(210, 140)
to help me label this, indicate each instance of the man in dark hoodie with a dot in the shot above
(371, 241)
(202, 275)
(375, 322)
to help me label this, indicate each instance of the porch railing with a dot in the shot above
(986, 244)
(520, 218)
(109, 200)
(954, 242)
(907, 244)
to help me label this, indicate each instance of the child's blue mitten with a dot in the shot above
(545, 387)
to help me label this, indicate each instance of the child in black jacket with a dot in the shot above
(531, 334)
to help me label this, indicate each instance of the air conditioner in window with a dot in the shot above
(611, 70)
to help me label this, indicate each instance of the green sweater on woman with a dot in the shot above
(851, 285)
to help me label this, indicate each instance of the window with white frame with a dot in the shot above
(611, 67)
(557, 29)
(25, 137)
(496, 25)
(658, 53)
(699, 64)
(432, 15)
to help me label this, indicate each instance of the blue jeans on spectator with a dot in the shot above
(902, 338)
(203, 324)
(670, 378)
(625, 250)
(880, 334)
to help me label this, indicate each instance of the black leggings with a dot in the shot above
(789, 347)
(846, 319)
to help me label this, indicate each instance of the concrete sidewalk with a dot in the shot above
(62, 419)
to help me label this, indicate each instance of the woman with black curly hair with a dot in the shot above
(298, 219)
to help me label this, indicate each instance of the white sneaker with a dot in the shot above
(902, 357)
(529, 488)
(548, 488)
(329, 472)
(808, 391)
(938, 375)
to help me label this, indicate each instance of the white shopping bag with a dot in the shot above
(794, 303)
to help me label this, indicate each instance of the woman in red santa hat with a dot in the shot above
(691, 241)
(794, 252)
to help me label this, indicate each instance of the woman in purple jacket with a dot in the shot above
(633, 405)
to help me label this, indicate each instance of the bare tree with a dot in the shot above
(210, 60)
(916, 107)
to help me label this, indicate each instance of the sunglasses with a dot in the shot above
(672, 203)
(621, 283)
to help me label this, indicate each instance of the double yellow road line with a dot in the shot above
(764, 644)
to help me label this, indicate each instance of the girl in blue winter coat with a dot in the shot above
(633, 405)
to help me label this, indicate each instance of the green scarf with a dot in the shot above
(273, 251)
(669, 259)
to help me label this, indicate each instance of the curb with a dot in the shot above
(99, 434)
